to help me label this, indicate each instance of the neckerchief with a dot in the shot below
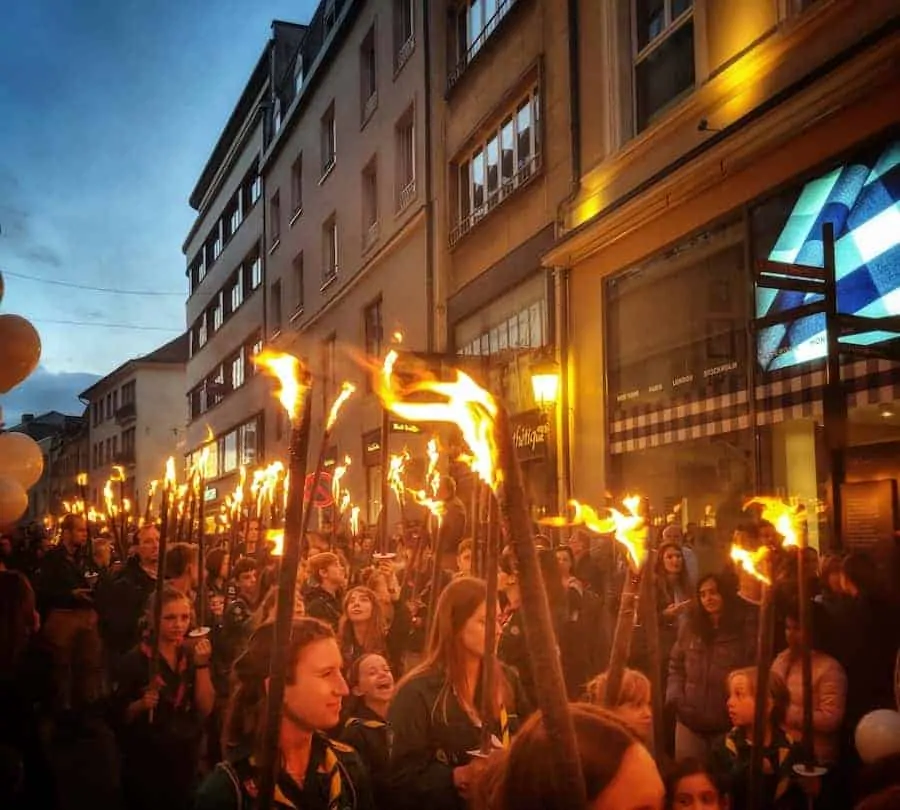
(181, 667)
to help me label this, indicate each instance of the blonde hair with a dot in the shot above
(635, 690)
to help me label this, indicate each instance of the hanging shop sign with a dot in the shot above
(372, 448)
(531, 435)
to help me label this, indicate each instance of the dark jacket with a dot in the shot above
(235, 785)
(452, 528)
(320, 604)
(428, 743)
(121, 603)
(59, 576)
(698, 670)
(370, 736)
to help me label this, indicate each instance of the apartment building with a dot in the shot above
(136, 419)
(718, 138)
(225, 258)
(346, 217)
(503, 165)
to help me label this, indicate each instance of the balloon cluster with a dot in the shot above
(21, 460)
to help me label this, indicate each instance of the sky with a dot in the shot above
(108, 112)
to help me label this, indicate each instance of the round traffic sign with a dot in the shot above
(322, 497)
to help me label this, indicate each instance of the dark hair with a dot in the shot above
(464, 545)
(169, 594)
(179, 557)
(17, 620)
(243, 566)
(700, 622)
(375, 631)
(214, 561)
(568, 552)
(356, 665)
(70, 521)
(245, 716)
(692, 767)
(519, 778)
(860, 569)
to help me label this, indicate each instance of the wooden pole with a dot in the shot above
(805, 611)
(385, 486)
(284, 609)
(621, 646)
(201, 548)
(160, 584)
(649, 612)
(489, 662)
(550, 685)
(764, 651)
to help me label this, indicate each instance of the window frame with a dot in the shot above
(296, 187)
(330, 250)
(368, 74)
(328, 140)
(405, 183)
(274, 219)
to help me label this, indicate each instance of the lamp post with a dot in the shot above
(545, 375)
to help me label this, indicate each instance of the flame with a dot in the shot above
(785, 517)
(94, 516)
(397, 336)
(268, 483)
(467, 405)
(276, 536)
(126, 505)
(629, 528)
(287, 369)
(151, 487)
(354, 520)
(202, 461)
(396, 469)
(432, 476)
(347, 389)
(81, 479)
(118, 473)
(67, 507)
(345, 501)
(108, 495)
(210, 436)
(339, 472)
(751, 560)
(170, 472)
(436, 507)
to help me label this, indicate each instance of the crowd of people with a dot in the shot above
(111, 695)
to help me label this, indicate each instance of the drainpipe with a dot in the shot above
(430, 303)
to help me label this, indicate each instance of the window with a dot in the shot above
(374, 329)
(664, 55)
(276, 115)
(329, 140)
(298, 73)
(297, 267)
(367, 75)
(255, 190)
(109, 408)
(330, 16)
(297, 186)
(128, 392)
(237, 369)
(255, 265)
(525, 329)
(330, 249)
(229, 451)
(505, 160)
(404, 32)
(275, 305)
(329, 346)
(218, 312)
(202, 334)
(194, 406)
(476, 21)
(237, 290)
(231, 219)
(247, 439)
(128, 442)
(405, 138)
(370, 203)
(274, 219)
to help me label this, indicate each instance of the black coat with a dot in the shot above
(370, 736)
(59, 576)
(431, 738)
(121, 603)
(320, 604)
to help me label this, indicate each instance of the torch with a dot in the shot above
(151, 491)
(395, 478)
(201, 534)
(119, 477)
(81, 480)
(294, 397)
(168, 483)
(336, 495)
(491, 540)
(486, 430)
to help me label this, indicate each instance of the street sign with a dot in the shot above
(322, 497)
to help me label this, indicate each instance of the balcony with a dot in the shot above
(124, 457)
(127, 413)
(370, 235)
(406, 196)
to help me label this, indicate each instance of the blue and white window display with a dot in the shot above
(863, 203)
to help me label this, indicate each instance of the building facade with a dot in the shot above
(346, 194)
(718, 139)
(503, 164)
(136, 420)
(226, 312)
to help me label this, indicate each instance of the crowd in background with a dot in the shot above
(108, 699)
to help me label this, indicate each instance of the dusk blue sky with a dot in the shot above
(108, 112)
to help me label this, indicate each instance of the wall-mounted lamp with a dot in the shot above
(545, 382)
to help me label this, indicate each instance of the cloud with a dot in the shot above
(45, 391)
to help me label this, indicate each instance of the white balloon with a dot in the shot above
(21, 458)
(878, 735)
(13, 500)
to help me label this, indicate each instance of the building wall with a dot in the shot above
(104, 431)
(160, 430)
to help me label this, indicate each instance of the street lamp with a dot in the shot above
(545, 383)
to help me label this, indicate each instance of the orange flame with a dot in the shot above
(750, 561)
(108, 495)
(202, 462)
(151, 487)
(436, 507)
(287, 370)
(396, 469)
(126, 506)
(354, 521)
(432, 476)
(67, 507)
(276, 536)
(81, 479)
(339, 472)
(467, 405)
(118, 473)
(210, 436)
(347, 390)
(788, 519)
(268, 484)
(170, 472)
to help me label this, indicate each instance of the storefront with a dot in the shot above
(681, 360)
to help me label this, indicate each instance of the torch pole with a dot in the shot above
(385, 486)
(148, 507)
(805, 610)
(123, 518)
(539, 634)
(650, 619)
(201, 550)
(160, 585)
(764, 652)
(621, 646)
(295, 517)
(489, 662)
(192, 504)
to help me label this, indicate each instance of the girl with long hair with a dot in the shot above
(435, 715)
(366, 728)
(618, 772)
(713, 643)
(633, 706)
(362, 627)
(161, 755)
(315, 772)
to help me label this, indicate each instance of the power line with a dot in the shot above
(99, 324)
(88, 287)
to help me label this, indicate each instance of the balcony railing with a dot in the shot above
(369, 106)
(490, 26)
(406, 195)
(126, 413)
(124, 457)
(406, 50)
(527, 171)
(370, 237)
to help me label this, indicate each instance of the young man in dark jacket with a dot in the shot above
(324, 599)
